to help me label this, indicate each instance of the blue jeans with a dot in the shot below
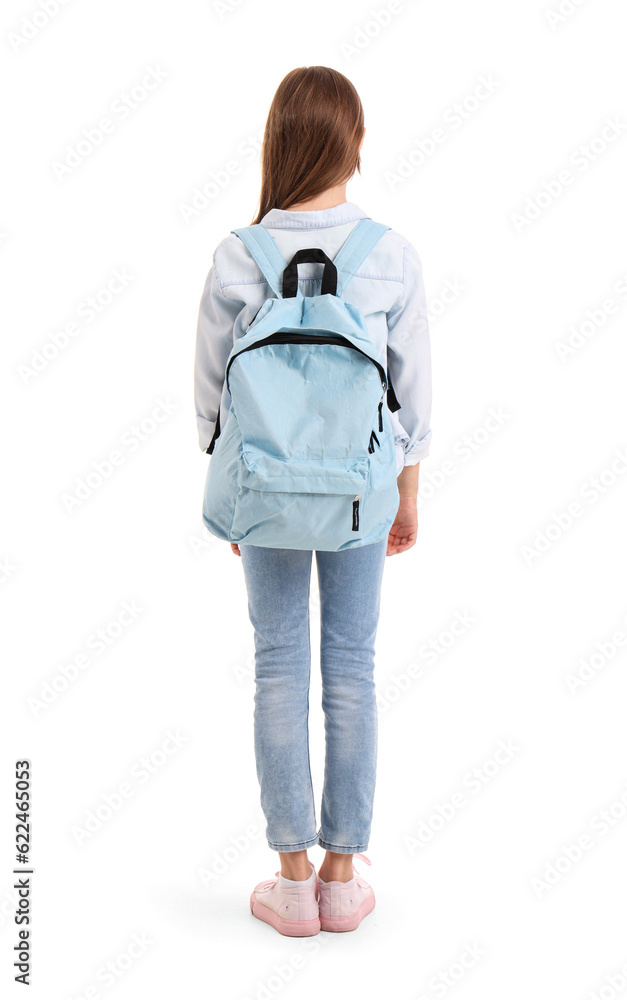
(277, 583)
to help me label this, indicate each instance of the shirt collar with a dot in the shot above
(320, 218)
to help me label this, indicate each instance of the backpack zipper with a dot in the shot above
(303, 338)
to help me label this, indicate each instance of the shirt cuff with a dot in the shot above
(418, 451)
(413, 455)
(205, 431)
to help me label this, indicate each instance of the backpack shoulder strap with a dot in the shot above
(265, 253)
(353, 252)
(351, 255)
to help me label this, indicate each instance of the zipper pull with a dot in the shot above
(380, 415)
(373, 437)
(356, 512)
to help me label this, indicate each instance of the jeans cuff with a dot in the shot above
(336, 849)
(286, 848)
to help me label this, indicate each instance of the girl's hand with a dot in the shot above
(405, 528)
(235, 549)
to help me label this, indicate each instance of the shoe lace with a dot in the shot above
(358, 879)
(268, 884)
(271, 882)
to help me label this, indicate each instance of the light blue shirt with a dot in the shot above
(388, 289)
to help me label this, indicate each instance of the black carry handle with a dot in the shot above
(393, 403)
(313, 256)
(216, 435)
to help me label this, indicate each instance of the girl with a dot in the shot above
(312, 143)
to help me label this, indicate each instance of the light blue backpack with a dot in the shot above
(306, 459)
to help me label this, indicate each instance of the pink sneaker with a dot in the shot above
(343, 905)
(290, 910)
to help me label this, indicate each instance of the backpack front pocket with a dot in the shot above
(311, 505)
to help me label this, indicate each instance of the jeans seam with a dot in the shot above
(313, 803)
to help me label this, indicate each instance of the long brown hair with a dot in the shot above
(312, 137)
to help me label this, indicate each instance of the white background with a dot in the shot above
(495, 875)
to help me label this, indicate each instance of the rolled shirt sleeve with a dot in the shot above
(214, 339)
(409, 363)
